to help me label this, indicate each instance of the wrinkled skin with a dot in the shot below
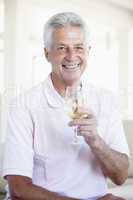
(110, 197)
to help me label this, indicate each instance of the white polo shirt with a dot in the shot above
(39, 142)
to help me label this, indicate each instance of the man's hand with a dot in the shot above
(113, 163)
(22, 188)
(87, 127)
(110, 197)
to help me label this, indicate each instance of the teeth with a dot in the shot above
(71, 66)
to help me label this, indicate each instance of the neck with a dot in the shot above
(60, 86)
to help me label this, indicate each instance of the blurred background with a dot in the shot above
(23, 65)
(110, 63)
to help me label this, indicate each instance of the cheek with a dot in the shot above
(56, 64)
(84, 60)
(84, 65)
(56, 59)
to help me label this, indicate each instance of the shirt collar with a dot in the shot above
(54, 99)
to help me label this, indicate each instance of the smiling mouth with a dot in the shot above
(71, 67)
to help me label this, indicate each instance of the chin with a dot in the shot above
(71, 78)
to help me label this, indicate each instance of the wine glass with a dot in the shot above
(74, 99)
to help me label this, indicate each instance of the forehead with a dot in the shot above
(68, 34)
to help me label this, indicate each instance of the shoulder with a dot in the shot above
(29, 99)
(98, 91)
(106, 98)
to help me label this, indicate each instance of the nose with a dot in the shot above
(70, 54)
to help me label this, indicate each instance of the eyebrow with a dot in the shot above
(78, 44)
(61, 44)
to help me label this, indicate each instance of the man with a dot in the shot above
(41, 163)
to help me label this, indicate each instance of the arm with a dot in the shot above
(113, 163)
(22, 188)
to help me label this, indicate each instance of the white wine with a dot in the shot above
(75, 113)
(74, 101)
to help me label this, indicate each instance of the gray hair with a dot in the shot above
(62, 20)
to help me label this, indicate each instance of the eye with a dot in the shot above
(79, 48)
(61, 48)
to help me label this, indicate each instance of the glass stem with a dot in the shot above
(75, 134)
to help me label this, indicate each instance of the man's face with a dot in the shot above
(67, 55)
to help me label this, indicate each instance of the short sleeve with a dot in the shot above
(116, 134)
(18, 153)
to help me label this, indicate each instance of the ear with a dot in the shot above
(46, 53)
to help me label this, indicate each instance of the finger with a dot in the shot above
(110, 197)
(86, 128)
(83, 122)
(87, 132)
(89, 124)
(82, 109)
(84, 133)
(106, 197)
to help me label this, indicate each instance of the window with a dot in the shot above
(1, 45)
(130, 75)
(1, 63)
(40, 67)
(102, 68)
